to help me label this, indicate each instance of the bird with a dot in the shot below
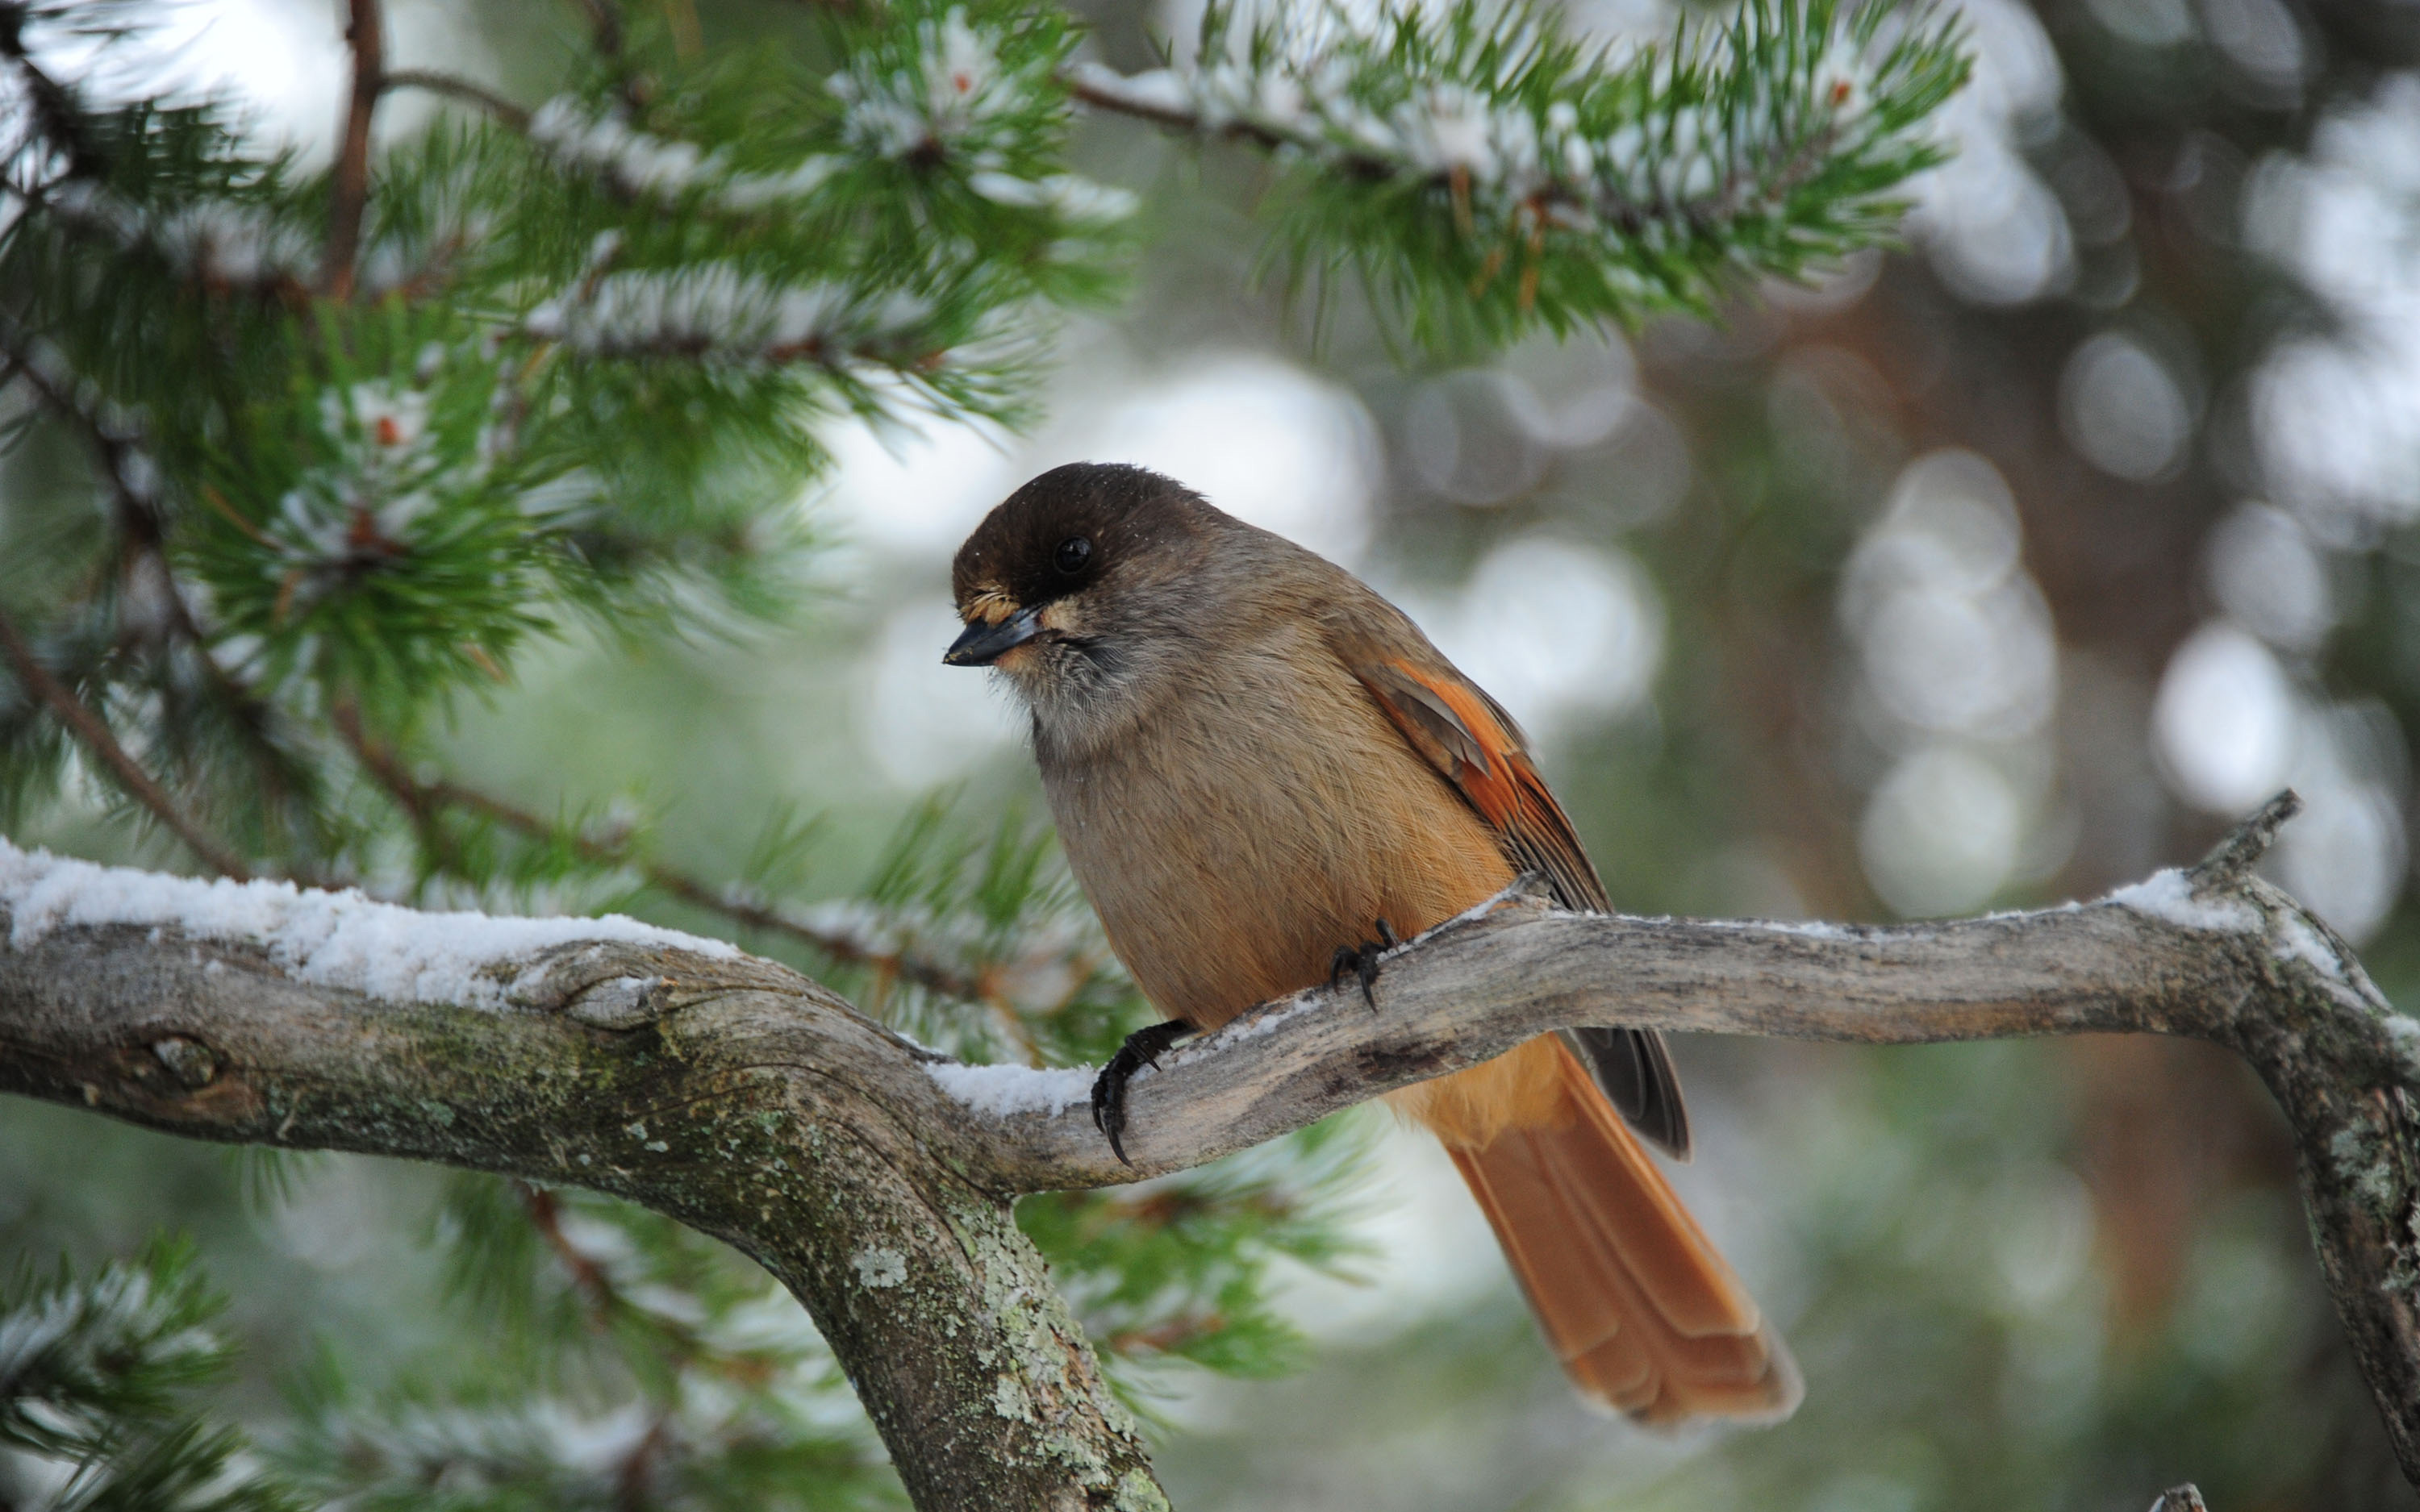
(1263, 773)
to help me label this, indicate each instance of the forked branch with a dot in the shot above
(874, 1177)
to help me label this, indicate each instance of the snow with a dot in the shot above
(1810, 929)
(2168, 896)
(951, 95)
(1000, 1091)
(332, 939)
(217, 241)
(637, 160)
(760, 190)
(1161, 91)
(1067, 196)
(1311, 77)
(638, 163)
(2404, 1033)
(1254, 1026)
(719, 308)
(2294, 940)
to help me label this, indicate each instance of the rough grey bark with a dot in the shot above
(747, 1101)
(734, 1095)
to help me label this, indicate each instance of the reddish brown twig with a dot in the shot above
(464, 90)
(588, 1278)
(348, 186)
(90, 729)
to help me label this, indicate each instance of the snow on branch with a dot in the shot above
(717, 311)
(639, 163)
(220, 242)
(976, 96)
(327, 939)
(115, 432)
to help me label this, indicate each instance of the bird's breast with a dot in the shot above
(1263, 815)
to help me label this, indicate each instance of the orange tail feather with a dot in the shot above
(1643, 1312)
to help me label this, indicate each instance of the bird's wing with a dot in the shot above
(1469, 739)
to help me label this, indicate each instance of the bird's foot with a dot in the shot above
(1142, 1048)
(1362, 962)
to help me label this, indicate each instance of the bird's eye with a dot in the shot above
(1073, 553)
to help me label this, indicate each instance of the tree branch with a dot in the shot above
(1161, 97)
(725, 1092)
(462, 89)
(93, 732)
(349, 185)
(745, 1099)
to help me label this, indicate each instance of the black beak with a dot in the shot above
(982, 644)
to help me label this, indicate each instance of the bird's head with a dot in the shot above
(1087, 582)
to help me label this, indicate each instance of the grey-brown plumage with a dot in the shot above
(1253, 760)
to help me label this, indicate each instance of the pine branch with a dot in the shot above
(605, 1300)
(218, 248)
(132, 476)
(423, 799)
(84, 1358)
(92, 1373)
(348, 188)
(1483, 169)
(94, 734)
(57, 114)
(711, 313)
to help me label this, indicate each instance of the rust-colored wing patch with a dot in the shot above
(1464, 735)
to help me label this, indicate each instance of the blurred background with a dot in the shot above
(1999, 570)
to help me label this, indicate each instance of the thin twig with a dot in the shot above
(688, 37)
(93, 732)
(462, 89)
(1091, 86)
(588, 1277)
(593, 1278)
(120, 457)
(2243, 847)
(348, 187)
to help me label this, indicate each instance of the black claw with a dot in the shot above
(1346, 958)
(1142, 1048)
(1362, 961)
